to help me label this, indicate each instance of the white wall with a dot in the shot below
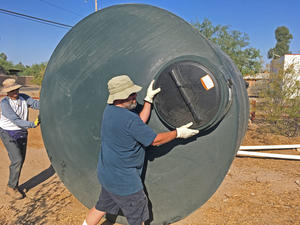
(285, 61)
(292, 59)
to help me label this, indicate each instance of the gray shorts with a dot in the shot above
(134, 207)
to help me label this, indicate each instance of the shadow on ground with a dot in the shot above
(43, 204)
(38, 179)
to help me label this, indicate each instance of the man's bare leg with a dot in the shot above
(93, 217)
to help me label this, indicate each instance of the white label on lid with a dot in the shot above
(207, 82)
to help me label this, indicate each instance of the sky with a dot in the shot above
(30, 42)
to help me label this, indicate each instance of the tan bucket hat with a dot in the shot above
(120, 87)
(10, 85)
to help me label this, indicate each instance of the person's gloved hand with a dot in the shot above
(151, 93)
(185, 132)
(37, 121)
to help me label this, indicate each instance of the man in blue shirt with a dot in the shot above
(124, 137)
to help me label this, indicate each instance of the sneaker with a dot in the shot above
(14, 192)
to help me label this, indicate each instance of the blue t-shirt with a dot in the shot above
(124, 137)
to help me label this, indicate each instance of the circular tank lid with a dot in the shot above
(189, 93)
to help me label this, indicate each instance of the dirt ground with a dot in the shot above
(255, 190)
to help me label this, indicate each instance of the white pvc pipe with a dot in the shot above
(268, 155)
(269, 147)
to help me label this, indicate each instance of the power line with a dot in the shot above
(61, 8)
(35, 19)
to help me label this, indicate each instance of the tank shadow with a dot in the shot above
(38, 179)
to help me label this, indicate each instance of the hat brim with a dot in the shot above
(123, 94)
(9, 89)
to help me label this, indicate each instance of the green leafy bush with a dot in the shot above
(280, 104)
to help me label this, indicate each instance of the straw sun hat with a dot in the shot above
(10, 85)
(120, 87)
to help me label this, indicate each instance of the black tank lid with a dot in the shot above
(189, 93)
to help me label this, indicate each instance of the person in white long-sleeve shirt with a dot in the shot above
(13, 131)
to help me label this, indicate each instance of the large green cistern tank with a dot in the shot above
(199, 83)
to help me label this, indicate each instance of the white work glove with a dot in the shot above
(151, 93)
(185, 132)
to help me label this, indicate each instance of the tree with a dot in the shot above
(3, 56)
(19, 67)
(283, 38)
(38, 78)
(234, 43)
(37, 71)
(4, 64)
(280, 102)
